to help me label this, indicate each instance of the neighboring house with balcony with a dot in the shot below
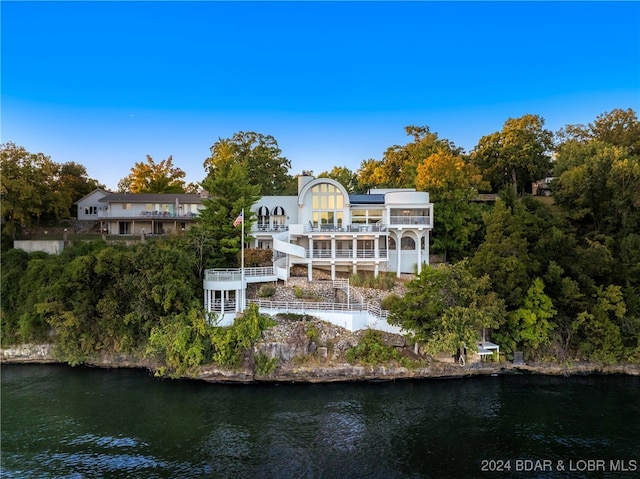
(129, 214)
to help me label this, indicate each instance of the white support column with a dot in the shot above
(419, 245)
(399, 251)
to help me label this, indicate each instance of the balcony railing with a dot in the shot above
(269, 228)
(410, 220)
(377, 228)
(346, 254)
(145, 215)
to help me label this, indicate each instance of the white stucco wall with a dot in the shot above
(48, 246)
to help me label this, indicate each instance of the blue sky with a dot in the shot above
(106, 83)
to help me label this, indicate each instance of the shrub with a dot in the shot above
(372, 350)
(266, 291)
(388, 301)
(265, 365)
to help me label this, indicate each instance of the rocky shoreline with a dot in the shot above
(328, 373)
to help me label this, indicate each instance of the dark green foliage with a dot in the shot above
(265, 365)
(96, 298)
(231, 193)
(372, 350)
(232, 343)
(266, 291)
(447, 308)
(182, 345)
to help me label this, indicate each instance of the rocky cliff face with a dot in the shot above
(304, 365)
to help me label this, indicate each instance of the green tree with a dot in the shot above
(261, 158)
(598, 331)
(149, 177)
(448, 308)
(504, 254)
(231, 192)
(517, 155)
(529, 327)
(36, 190)
(452, 183)
(232, 343)
(183, 344)
(617, 127)
(344, 176)
(599, 186)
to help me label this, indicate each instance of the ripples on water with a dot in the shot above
(60, 422)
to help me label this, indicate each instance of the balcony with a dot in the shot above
(145, 215)
(410, 221)
(347, 254)
(357, 228)
(258, 228)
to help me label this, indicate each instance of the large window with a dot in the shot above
(366, 217)
(327, 203)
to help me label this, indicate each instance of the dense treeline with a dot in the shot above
(557, 280)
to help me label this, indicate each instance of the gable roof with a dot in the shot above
(97, 190)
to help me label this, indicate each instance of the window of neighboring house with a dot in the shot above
(124, 227)
(126, 206)
(392, 243)
(327, 203)
(91, 210)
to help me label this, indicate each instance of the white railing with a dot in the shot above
(410, 220)
(377, 228)
(269, 228)
(235, 274)
(346, 254)
(286, 306)
(145, 215)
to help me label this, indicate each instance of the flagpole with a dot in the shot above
(244, 287)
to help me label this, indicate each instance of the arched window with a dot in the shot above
(279, 217)
(263, 218)
(327, 203)
(392, 243)
(407, 243)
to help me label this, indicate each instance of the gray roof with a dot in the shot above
(151, 198)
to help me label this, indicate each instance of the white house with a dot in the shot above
(325, 227)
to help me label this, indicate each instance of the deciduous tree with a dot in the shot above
(260, 156)
(517, 155)
(152, 177)
(447, 308)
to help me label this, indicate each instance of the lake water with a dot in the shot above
(62, 422)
